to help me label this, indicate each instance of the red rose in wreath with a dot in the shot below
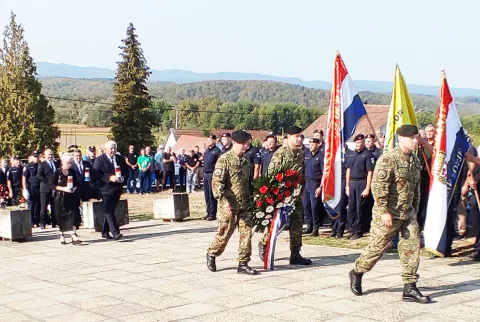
(275, 191)
(279, 197)
(269, 200)
(295, 184)
(264, 189)
(288, 184)
(259, 203)
(279, 177)
(289, 173)
(287, 193)
(294, 172)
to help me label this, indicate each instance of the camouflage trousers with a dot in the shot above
(226, 227)
(381, 237)
(296, 227)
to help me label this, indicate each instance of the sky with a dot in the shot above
(274, 37)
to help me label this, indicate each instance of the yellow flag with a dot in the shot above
(402, 110)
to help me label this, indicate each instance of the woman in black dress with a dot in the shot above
(64, 183)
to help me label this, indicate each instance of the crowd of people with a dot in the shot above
(227, 170)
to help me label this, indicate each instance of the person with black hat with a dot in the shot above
(376, 152)
(226, 141)
(291, 155)
(252, 154)
(266, 153)
(231, 185)
(338, 225)
(14, 181)
(312, 200)
(210, 157)
(358, 180)
(396, 190)
(31, 183)
(302, 146)
(90, 157)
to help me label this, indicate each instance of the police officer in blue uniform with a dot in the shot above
(338, 227)
(210, 157)
(32, 184)
(358, 180)
(266, 154)
(376, 153)
(226, 142)
(252, 154)
(14, 181)
(312, 200)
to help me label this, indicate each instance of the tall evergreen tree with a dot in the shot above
(26, 117)
(132, 118)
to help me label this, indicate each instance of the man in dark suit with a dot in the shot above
(82, 169)
(110, 170)
(45, 172)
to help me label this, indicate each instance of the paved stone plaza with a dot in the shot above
(158, 273)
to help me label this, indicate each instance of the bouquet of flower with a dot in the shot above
(279, 190)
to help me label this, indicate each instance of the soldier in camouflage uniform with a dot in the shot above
(292, 154)
(396, 190)
(232, 188)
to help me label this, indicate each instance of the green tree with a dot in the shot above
(133, 116)
(26, 119)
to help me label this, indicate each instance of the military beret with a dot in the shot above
(370, 136)
(314, 140)
(407, 130)
(212, 136)
(318, 131)
(35, 154)
(239, 136)
(15, 157)
(91, 148)
(226, 135)
(359, 137)
(302, 136)
(293, 130)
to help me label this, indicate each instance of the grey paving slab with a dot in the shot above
(162, 276)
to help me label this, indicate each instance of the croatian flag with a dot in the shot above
(344, 112)
(279, 221)
(447, 162)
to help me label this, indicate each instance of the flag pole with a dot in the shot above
(426, 163)
(370, 123)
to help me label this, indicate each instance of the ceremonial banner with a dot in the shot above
(402, 110)
(448, 158)
(344, 111)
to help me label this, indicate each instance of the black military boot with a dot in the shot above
(333, 234)
(314, 232)
(308, 230)
(355, 282)
(243, 268)
(412, 294)
(297, 259)
(261, 250)
(211, 265)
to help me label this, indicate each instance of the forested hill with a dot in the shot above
(232, 91)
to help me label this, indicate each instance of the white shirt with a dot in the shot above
(80, 166)
(52, 165)
(114, 161)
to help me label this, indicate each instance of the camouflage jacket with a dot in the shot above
(396, 184)
(285, 154)
(231, 181)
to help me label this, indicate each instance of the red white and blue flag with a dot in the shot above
(447, 163)
(344, 112)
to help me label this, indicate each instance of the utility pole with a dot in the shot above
(177, 115)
